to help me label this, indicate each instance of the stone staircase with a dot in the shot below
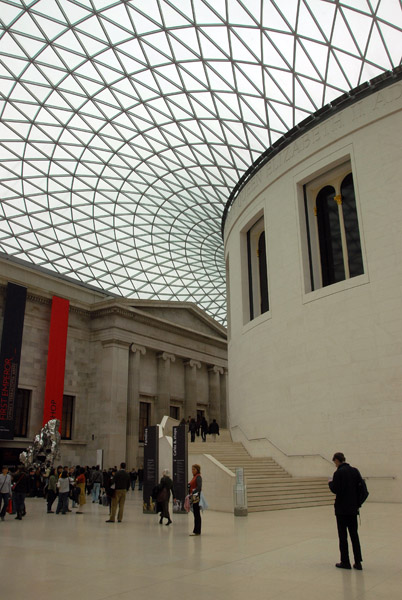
(269, 486)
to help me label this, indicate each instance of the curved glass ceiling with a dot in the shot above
(125, 125)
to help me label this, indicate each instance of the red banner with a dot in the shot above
(56, 360)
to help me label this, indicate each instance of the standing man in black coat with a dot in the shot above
(346, 484)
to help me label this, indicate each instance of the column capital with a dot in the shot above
(216, 369)
(137, 348)
(192, 363)
(166, 356)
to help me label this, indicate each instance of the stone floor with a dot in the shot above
(283, 555)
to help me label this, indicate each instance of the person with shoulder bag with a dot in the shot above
(195, 487)
(351, 491)
(20, 489)
(63, 485)
(165, 487)
(5, 490)
(51, 490)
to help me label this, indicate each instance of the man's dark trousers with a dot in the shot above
(348, 523)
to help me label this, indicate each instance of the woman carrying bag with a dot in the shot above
(195, 487)
(165, 487)
(5, 490)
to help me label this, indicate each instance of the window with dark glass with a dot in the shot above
(175, 412)
(355, 258)
(257, 270)
(144, 420)
(67, 417)
(329, 232)
(21, 412)
(333, 236)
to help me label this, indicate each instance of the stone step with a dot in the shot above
(287, 506)
(269, 486)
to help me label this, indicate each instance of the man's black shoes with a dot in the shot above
(343, 566)
(358, 566)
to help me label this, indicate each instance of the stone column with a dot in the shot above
(163, 405)
(133, 405)
(190, 405)
(113, 401)
(215, 393)
(224, 410)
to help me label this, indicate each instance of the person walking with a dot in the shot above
(51, 490)
(80, 483)
(21, 488)
(192, 427)
(133, 478)
(96, 480)
(108, 477)
(204, 429)
(140, 474)
(165, 487)
(346, 484)
(121, 484)
(214, 429)
(5, 490)
(195, 487)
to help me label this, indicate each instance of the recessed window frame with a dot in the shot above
(255, 272)
(67, 419)
(21, 412)
(333, 176)
(144, 419)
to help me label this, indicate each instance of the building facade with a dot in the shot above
(128, 363)
(313, 247)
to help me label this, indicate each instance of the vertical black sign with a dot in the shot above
(151, 465)
(10, 355)
(180, 453)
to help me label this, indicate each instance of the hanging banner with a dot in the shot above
(151, 466)
(56, 360)
(180, 460)
(10, 356)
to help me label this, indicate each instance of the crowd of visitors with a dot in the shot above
(199, 426)
(66, 485)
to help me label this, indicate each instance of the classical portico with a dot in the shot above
(128, 363)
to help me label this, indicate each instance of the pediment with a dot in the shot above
(184, 314)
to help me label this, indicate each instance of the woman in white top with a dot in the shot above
(5, 490)
(64, 489)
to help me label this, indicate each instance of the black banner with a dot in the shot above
(180, 453)
(10, 355)
(151, 466)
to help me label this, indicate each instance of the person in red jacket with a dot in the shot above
(195, 487)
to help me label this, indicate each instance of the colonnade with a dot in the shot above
(121, 368)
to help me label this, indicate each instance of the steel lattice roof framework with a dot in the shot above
(125, 124)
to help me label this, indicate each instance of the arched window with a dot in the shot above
(333, 237)
(257, 270)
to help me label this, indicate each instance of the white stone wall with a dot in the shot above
(322, 371)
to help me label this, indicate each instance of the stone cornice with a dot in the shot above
(147, 319)
(328, 110)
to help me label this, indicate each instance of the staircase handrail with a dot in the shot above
(256, 439)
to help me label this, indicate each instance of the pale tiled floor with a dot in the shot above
(284, 555)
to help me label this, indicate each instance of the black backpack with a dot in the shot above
(362, 491)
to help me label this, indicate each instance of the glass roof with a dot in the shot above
(125, 124)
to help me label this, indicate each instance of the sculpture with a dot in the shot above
(45, 448)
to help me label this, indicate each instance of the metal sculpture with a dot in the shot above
(45, 448)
